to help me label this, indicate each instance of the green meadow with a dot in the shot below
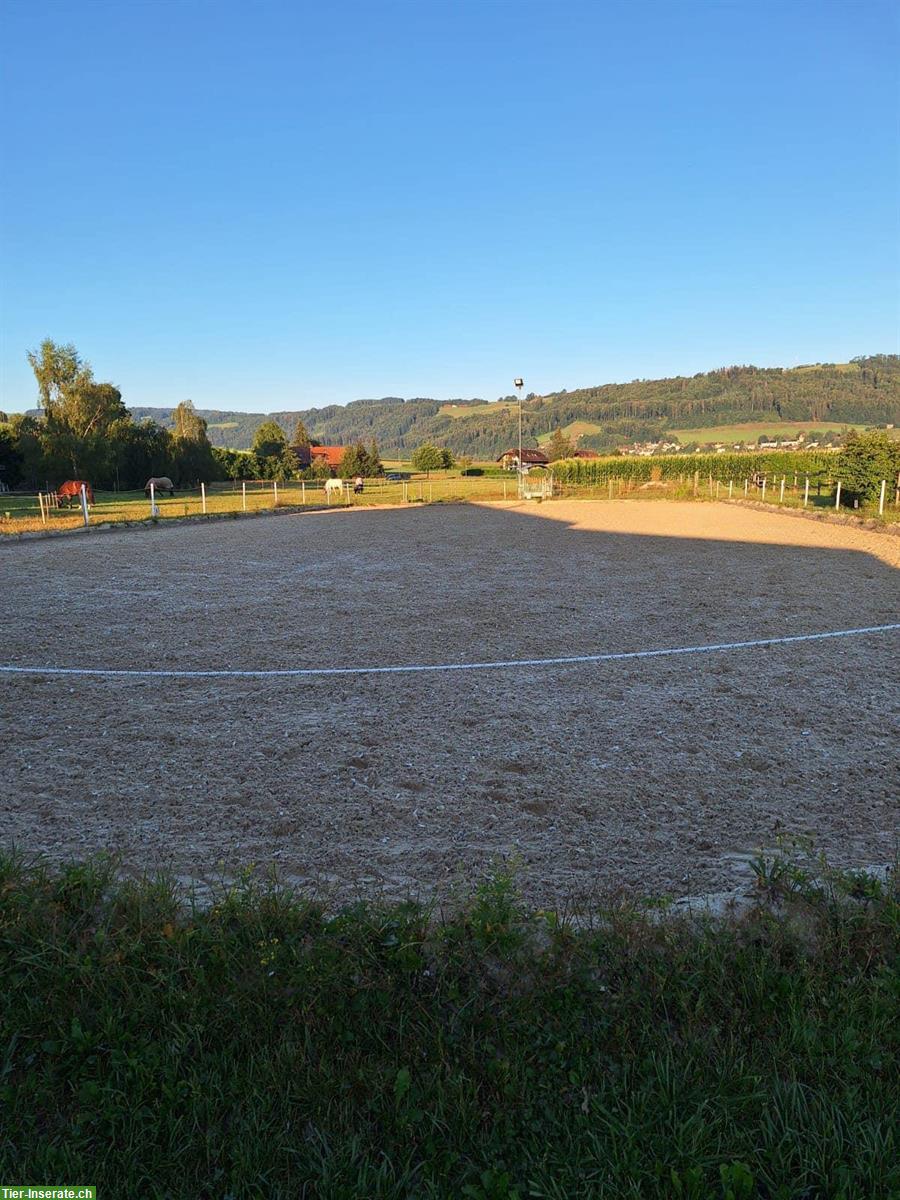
(254, 1044)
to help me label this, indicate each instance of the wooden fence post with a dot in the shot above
(837, 495)
(806, 492)
(203, 497)
(275, 490)
(244, 494)
(781, 496)
(84, 506)
(881, 499)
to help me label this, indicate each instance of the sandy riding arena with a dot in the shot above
(662, 774)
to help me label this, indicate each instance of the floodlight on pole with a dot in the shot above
(519, 384)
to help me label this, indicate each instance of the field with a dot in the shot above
(575, 429)
(477, 410)
(750, 431)
(662, 775)
(21, 513)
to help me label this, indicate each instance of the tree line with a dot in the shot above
(82, 429)
(864, 391)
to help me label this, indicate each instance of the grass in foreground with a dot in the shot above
(258, 1047)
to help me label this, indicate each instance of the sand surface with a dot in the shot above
(659, 775)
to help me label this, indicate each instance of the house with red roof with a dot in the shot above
(330, 455)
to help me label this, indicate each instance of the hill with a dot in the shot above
(865, 391)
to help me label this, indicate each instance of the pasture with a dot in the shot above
(750, 431)
(22, 513)
(659, 775)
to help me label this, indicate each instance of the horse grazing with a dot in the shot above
(70, 492)
(161, 484)
(332, 486)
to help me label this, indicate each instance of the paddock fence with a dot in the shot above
(41, 511)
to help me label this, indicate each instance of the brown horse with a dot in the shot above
(70, 492)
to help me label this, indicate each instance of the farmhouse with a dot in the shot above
(530, 458)
(330, 455)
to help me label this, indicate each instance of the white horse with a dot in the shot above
(334, 486)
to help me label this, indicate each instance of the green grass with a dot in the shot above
(24, 512)
(476, 410)
(575, 429)
(751, 430)
(259, 1047)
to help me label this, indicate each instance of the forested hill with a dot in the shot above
(866, 390)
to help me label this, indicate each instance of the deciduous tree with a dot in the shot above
(559, 446)
(427, 458)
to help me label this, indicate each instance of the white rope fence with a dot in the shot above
(419, 668)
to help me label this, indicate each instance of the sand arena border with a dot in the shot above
(659, 773)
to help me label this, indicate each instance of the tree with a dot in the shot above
(559, 446)
(865, 460)
(283, 467)
(10, 456)
(57, 370)
(269, 441)
(235, 464)
(187, 423)
(78, 411)
(28, 436)
(427, 458)
(355, 461)
(193, 459)
(301, 437)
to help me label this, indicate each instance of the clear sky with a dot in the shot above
(266, 204)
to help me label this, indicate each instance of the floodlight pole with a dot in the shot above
(519, 384)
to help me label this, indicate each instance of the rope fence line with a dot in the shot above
(422, 668)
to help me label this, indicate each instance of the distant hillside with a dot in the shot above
(864, 391)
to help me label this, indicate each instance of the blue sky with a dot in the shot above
(276, 205)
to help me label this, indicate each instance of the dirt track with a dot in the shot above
(661, 775)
